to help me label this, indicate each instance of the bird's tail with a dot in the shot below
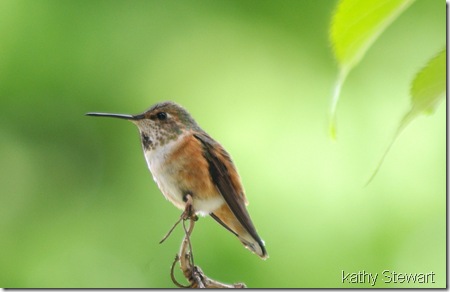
(255, 246)
(254, 243)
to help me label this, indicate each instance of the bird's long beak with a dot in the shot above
(119, 116)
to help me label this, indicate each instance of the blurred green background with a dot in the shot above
(79, 208)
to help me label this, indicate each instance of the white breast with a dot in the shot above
(155, 161)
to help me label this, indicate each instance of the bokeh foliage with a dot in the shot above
(79, 209)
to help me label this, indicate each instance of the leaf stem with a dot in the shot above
(343, 72)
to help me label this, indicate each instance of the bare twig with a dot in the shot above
(193, 273)
(174, 280)
(171, 229)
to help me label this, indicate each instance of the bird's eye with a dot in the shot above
(161, 116)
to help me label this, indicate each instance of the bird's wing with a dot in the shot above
(226, 179)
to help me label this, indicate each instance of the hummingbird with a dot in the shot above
(184, 160)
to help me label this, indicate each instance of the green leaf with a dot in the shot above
(427, 90)
(428, 87)
(355, 26)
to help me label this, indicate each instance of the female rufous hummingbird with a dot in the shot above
(185, 160)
